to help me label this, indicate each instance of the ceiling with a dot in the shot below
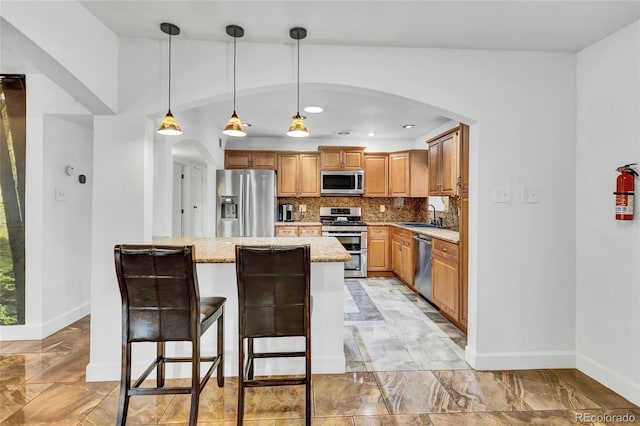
(351, 110)
(504, 25)
(566, 26)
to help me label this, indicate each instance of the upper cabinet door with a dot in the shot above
(399, 174)
(434, 160)
(331, 160)
(264, 160)
(443, 164)
(352, 159)
(288, 175)
(341, 158)
(376, 175)
(449, 165)
(309, 175)
(237, 160)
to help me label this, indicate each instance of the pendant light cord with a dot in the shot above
(234, 71)
(298, 112)
(169, 71)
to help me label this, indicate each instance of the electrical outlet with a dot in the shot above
(501, 194)
(302, 208)
(383, 208)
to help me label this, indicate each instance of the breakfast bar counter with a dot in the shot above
(215, 258)
(222, 250)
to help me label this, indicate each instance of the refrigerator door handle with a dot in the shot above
(241, 206)
(247, 207)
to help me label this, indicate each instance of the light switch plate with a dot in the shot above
(383, 208)
(529, 195)
(60, 194)
(501, 194)
(302, 208)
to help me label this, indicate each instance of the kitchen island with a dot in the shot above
(215, 258)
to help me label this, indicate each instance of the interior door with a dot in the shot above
(177, 222)
(196, 190)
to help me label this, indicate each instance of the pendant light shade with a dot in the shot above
(169, 126)
(297, 128)
(234, 126)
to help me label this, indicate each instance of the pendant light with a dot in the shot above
(169, 125)
(234, 126)
(298, 129)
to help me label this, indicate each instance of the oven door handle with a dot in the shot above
(342, 234)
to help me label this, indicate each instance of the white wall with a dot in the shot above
(201, 137)
(43, 98)
(522, 256)
(607, 266)
(67, 220)
(524, 104)
(78, 51)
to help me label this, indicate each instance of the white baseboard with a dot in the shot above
(282, 366)
(611, 379)
(40, 331)
(519, 360)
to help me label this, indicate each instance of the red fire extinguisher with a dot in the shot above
(624, 192)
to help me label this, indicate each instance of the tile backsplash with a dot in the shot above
(396, 209)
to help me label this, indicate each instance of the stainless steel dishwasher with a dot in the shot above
(422, 256)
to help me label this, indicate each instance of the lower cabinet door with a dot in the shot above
(445, 286)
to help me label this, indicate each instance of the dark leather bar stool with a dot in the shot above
(274, 300)
(161, 303)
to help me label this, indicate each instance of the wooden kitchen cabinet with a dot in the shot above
(376, 175)
(309, 231)
(464, 263)
(298, 231)
(298, 175)
(378, 249)
(341, 158)
(463, 165)
(286, 231)
(265, 160)
(445, 278)
(402, 255)
(408, 173)
(443, 164)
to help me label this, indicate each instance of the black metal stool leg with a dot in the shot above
(220, 339)
(125, 383)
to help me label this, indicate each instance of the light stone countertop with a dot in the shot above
(296, 223)
(222, 250)
(441, 234)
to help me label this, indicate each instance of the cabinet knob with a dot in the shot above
(444, 249)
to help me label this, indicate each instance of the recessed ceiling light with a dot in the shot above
(408, 126)
(313, 109)
(343, 132)
(371, 134)
(246, 124)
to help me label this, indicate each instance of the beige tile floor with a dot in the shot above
(42, 383)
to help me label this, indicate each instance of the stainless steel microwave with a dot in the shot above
(349, 182)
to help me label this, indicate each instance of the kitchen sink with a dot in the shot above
(421, 225)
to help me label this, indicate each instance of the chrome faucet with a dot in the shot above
(433, 220)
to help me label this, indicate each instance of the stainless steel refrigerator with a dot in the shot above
(246, 203)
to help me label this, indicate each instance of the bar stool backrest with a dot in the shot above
(273, 290)
(159, 291)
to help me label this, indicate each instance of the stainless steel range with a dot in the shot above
(345, 223)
